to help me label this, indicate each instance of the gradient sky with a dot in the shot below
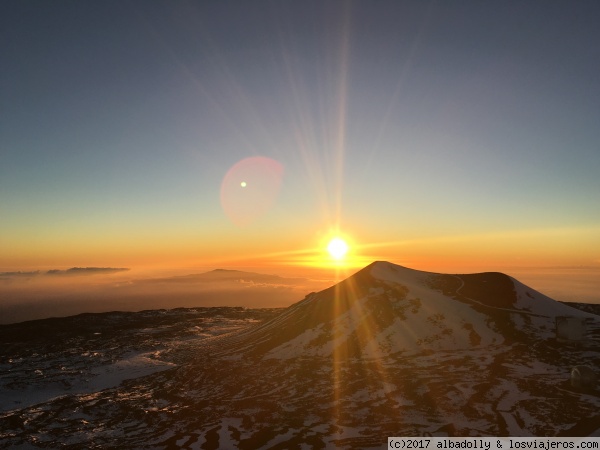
(436, 135)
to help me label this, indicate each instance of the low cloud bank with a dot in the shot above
(37, 295)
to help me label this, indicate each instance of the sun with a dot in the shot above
(337, 248)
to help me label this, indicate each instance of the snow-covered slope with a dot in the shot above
(390, 351)
(385, 309)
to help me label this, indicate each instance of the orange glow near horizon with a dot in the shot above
(452, 254)
(566, 270)
(311, 156)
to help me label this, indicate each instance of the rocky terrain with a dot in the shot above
(390, 351)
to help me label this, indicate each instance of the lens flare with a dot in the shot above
(250, 188)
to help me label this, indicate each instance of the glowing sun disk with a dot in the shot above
(337, 248)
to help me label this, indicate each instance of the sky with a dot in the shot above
(443, 136)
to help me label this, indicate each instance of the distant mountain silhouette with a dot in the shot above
(86, 270)
(227, 275)
(71, 271)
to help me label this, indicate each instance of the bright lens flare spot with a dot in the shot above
(243, 184)
(337, 248)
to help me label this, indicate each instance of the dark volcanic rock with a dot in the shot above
(390, 351)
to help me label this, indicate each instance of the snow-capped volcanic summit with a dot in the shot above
(390, 351)
(385, 309)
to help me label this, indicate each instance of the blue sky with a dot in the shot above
(431, 133)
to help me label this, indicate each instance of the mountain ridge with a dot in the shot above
(370, 310)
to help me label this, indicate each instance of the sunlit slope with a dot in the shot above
(385, 309)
